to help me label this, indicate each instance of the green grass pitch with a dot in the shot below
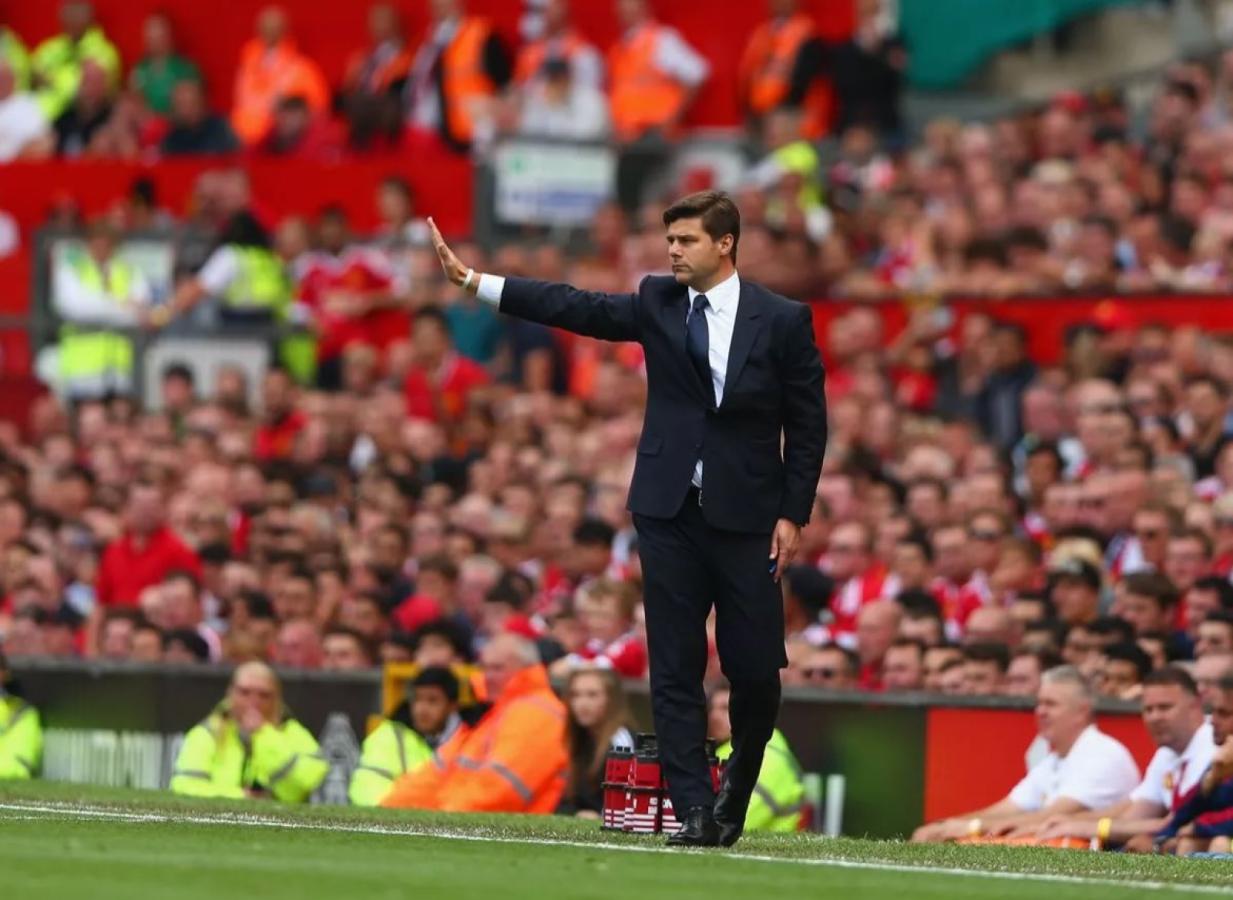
(60, 841)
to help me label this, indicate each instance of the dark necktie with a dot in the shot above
(697, 342)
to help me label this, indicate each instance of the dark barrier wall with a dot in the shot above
(904, 758)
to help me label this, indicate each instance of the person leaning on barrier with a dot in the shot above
(514, 759)
(1085, 769)
(21, 732)
(409, 737)
(249, 747)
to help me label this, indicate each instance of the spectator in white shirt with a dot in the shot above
(1174, 717)
(1085, 769)
(25, 132)
(560, 106)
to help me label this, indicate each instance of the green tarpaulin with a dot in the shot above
(948, 40)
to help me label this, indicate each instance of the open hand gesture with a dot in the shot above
(455, 271)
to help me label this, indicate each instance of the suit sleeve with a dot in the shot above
(804, 426)
(609, 317)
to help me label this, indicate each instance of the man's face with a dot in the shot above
(828, 669)
(180, 608)
(117, 640)
(430, 709)
(1222, 716)
(953, 681)
(910, 565)
(294, 598)
(1151, 528)
(1022, 677)
(718, 726)
(343, 654)
(1144, 613)
(847, 553)
(1171, 715)
(936, 659)
(694, 255)
(903, 669)
(926, 630)
(1185, 562)
(1075, 601)
(1208, 672)
(1061, 713)
(950, 554)
(1214, 637)
(1117, 676)
(1200, 603)
(499, 665)
(147, 646)
(981, 677)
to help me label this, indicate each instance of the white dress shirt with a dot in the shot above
(1171, 776)
(722, 301)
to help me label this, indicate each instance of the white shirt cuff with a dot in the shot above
(490, 289)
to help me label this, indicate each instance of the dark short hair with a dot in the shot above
(594, 532)
(438, 677)
(178, 371)
(851, 662)
(1153, 585)
(1133, 654)
(1220, 585)
(191, 641)
(1172, 675)
(718, 213)
(449, 631)
(1112, 626)
(998, 654)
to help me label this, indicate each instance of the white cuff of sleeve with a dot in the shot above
(490, 289)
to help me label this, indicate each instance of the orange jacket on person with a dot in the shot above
(766, 69)
(512, 760)
(531, 58)
(465, 82)
(267, 74)
(643, 96)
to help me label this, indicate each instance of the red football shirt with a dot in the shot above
(277, 440)
(127, 569)
(443, 397)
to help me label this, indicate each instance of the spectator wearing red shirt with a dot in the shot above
(877, 627)
(440, 381)
(958, 592)
(606, 610)
(281, 422)
(141, 557)
(859, 578)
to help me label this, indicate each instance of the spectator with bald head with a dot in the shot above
(513, 759)
(298, 645)
(993, 625)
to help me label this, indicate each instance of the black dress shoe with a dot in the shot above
(729, 816)
(698, 829)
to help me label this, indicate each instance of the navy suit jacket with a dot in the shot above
(774, 387)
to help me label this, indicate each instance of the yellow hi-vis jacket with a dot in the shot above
(21, 738)
(390, 752)
(215, 761)
(56, 65)
(780, 791)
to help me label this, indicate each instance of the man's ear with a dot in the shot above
(725, 244)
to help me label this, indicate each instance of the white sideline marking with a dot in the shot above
(32, 811)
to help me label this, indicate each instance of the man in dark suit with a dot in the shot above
(731, 367)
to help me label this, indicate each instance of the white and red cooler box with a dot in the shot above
(635, 793)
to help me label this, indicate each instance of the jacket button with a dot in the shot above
(698, 446)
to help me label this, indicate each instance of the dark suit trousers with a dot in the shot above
(688, 566)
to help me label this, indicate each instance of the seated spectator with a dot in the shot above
(21, 732)
(116, 637)
(779, 793)
(371, 93)
(599, 721)
(984, 668)
(441, 380)
(407, 739)
(992, 625)
(249, 746)
(24, 129)
(560, 107)
(160, 69)
(459, 68)
(877, 626)
(297, 132)
(13, 51)
(1025, 671)
(1185, 744)
(1215, 635)
(271, 68)
(1148, 601)
(147, 643)
(180, 609)
(1203, 815)
(1208, 673)
(442, 643)
(903, 667)
(91, 108)
(1124, 668)
(1085, 769)
(194, 130)
(298, 645)
(1075, 591)
(58, 65)
(937, 660)
(606, 610)
(832, 668)
(344, 650)
(515, 755)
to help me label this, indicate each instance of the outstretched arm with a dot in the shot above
(609, 317)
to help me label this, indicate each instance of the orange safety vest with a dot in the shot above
(264, 75)
(512, 760)
(766, 73)
(643, 97)
(464, 79)
(532, 56)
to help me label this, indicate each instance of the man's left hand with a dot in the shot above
(784, 541)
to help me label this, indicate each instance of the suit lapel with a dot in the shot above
(677, 310)
(744, 332)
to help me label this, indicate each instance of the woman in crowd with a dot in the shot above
(249, 746)
(598, 722)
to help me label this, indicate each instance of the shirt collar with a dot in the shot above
(1200, 742)
(722, 296)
